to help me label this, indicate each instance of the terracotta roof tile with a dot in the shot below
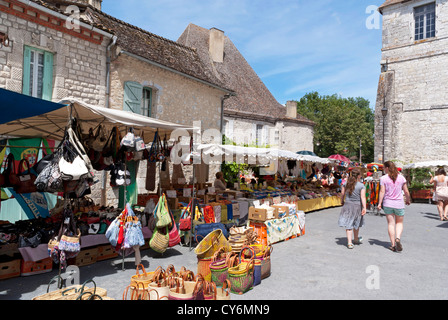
(154, 48)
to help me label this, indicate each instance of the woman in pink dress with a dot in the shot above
(440, 182)
(391, 200)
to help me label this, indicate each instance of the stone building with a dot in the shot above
(413, 85)
(50, 58)
(251, 116)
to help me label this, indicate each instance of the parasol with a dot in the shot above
(339, 157)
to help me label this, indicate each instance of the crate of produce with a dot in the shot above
(29, 268)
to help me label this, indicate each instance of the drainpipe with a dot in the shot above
(227, 96)
(108, 61)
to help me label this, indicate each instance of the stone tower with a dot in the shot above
(412, 98)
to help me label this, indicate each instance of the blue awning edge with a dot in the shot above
(14, 106)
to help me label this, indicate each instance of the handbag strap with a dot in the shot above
(185, 211)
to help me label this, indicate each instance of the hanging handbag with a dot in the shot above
(73, 170)
(153, 151)
(159, 241)
(128, 141)
(112, 231)
(9, 173)
(150, 182)
(174, 237)
(162, 215)
(185, 219)
(26, 178)
(99, 140)
(70, 235)
(79, 149)
(140, 143)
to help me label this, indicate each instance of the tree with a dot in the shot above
(341, 123)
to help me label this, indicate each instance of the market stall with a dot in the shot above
(81, 154)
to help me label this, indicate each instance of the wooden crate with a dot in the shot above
(258, 214)
(85, 257)
(106, 252)
(10, 269)
(29, 268)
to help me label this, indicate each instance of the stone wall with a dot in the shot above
(416, 88)
(292, 136)
(79, 69)
(177, 99)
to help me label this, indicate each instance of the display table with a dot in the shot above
(318, 203)
(282, 229)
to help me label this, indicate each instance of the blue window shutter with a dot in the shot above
(48, 76)
(26, 70)
(132, 101)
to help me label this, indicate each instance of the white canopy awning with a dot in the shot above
(52, 124)
(427, 164)
(263, 155)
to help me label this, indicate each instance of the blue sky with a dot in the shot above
(295, 46)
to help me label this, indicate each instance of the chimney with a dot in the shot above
(216, 45)
(291, 109)
(96, 4)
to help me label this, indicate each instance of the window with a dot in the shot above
(425, 21)
(37, 73)
(137, 99)
(277, 138)
(147, 102)
(259, 135)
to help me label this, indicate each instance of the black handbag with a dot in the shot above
(32, 241)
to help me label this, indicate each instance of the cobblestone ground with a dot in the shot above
(315, 266)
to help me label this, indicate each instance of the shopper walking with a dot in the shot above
(391, 201)
(353, 197)
(440, 182)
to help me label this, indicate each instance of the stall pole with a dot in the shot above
(125, 201)
(193, 205)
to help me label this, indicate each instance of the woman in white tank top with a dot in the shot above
(440, 181)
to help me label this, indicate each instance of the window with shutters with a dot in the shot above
(137, 99)
(37, 73)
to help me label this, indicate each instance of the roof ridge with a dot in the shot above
(140, 29)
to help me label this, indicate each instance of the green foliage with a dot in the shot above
(340, 125)
(231, 171)
(419, 179)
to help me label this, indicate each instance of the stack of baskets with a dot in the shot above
(207, 248)
(240, 261)
(240, 237)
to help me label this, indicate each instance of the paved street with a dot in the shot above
(313, 267)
